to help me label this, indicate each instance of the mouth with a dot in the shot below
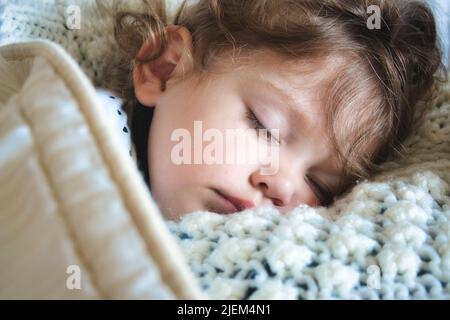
(230, 204)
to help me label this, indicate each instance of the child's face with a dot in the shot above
(305, 158)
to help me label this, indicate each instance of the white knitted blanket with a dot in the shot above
(388, 239)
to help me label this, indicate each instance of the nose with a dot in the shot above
(279, 187)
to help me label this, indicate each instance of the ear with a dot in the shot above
(152, 78)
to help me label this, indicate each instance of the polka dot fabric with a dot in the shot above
(112, 105)
(389, 238)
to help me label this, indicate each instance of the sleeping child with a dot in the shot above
(329, 89)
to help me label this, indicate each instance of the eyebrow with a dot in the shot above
(288, 100)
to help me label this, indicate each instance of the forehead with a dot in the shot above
(300, 80)
(303, 84)
(316, 70)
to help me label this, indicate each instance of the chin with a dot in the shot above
(178, 211)
(171, 214)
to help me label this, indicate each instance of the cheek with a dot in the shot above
(306, 196)
(163, 172)
(179, 111)
(168, 176)
(167, 172)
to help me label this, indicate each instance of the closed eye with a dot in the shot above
(253, 120)
(322, 192)
(256, 124)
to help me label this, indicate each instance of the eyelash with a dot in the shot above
(322, 193)
(256, 124)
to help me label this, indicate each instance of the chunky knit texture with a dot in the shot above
(387, 239)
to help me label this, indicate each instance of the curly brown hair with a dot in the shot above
(392, 68)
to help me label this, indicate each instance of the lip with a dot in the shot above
(233, 204)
